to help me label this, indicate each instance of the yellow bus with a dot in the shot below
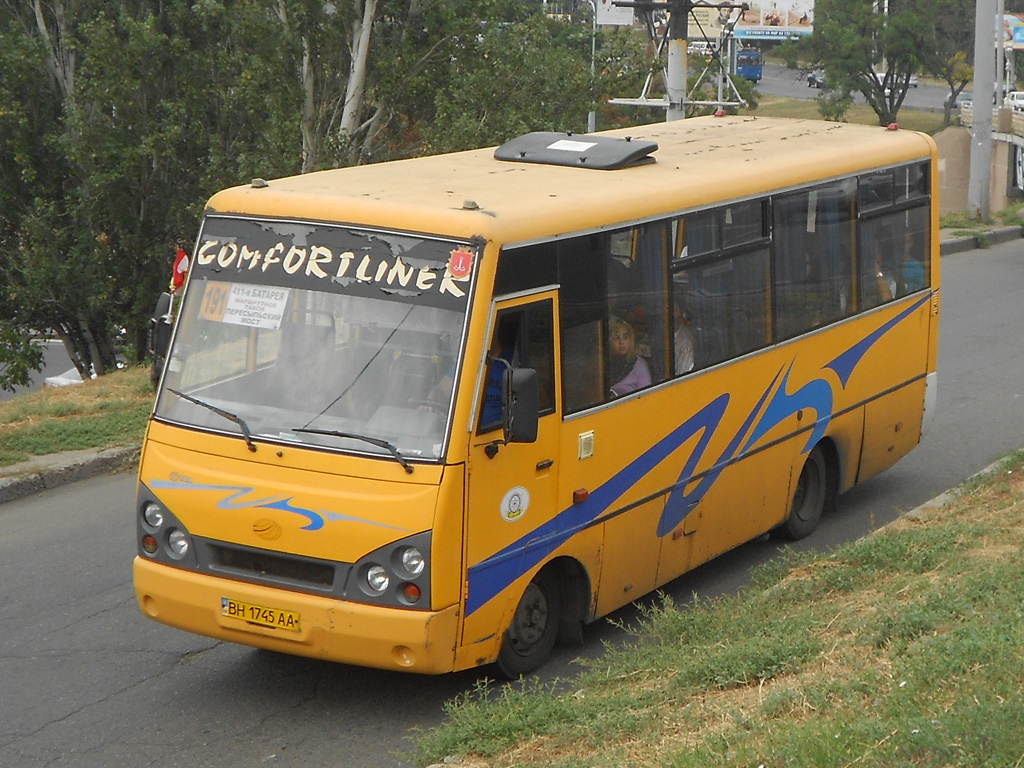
(438, 413)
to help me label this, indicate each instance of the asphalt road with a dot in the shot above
(87, 681)
(55, 362)
(780, 81)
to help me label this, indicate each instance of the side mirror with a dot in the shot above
(520, 405)
(160, 328)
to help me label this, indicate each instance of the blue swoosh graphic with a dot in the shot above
(236, 499)
(493, 574)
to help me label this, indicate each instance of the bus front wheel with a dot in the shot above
(531, 635)
(809, 497)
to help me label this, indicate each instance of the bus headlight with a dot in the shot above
(412, 561)
(377, 579)
(153, 515)
(177, 543)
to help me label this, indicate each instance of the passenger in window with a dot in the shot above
(884, 278)
(683, 337)
(912, 271)
(627, 369)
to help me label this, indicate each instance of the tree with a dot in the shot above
(128, 115)
(122, 117)
(867, 50)
(515, 78)
(949, 49)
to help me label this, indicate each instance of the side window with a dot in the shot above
(582, 273)
(523, 338)
(913, 268)
(636, 315)
(728, 304)
(813, 263)
(615, 316)
(878, 246)
(720, 285)
(893, 236)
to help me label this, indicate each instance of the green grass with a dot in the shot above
(783, 106)
(101, 413)
(901, 649)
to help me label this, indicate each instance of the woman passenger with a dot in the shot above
(627, 369)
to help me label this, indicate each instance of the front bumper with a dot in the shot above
(329, 629)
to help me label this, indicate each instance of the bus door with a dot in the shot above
(512, 487)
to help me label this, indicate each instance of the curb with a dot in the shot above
(980, 240)
(51, 472)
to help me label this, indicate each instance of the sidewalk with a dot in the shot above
(53, 470)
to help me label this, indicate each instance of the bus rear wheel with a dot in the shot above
(531, 635)
(809, 497)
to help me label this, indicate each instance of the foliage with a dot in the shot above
(127, 117)
(854, 43)
(512, 79)
(948, 48)
(20, 354)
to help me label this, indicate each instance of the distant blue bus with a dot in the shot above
(749, 65)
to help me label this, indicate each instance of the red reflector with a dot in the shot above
(411, 593)
(149, 544)
(580, 495)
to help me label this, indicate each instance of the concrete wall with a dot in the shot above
(954, 145)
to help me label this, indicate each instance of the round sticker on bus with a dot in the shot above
(515, 503)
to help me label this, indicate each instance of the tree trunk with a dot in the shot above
(359, 50)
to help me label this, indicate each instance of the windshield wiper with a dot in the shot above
(247, 436)
(365, 438)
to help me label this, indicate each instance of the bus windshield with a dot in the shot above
(339, 338)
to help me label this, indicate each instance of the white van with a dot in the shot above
(1015, 100)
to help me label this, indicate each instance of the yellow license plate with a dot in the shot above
(259, 614)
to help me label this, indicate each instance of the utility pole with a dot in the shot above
(979, 182)
(677, 68)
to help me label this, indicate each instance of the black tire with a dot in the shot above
(809, 497)
(531, 635)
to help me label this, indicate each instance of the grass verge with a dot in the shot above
(901, 649)
(807, 109)
(105, 412)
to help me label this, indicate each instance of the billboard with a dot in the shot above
(763, 20)
(1013, 31)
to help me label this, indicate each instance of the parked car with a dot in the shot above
(963, 100)
(816, 79)
(912, 82)
(1015, 100)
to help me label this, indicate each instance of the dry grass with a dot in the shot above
(101, 413)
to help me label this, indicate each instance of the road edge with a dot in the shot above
(45, 473)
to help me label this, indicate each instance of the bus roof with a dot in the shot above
(700, 161)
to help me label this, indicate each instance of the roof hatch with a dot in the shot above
(587, 150)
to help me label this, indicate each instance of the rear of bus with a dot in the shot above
(295, 491)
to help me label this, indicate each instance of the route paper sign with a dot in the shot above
(255, 306)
